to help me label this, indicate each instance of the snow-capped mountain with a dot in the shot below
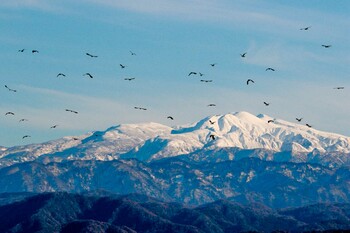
(150, 141)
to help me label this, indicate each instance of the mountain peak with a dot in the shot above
(245, 115)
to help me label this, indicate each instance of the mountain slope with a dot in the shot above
(247, 180)
(150, 141)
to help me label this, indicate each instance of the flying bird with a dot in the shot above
(35, 51)
(132, 53)
(129, 79)
(308, 125)
(266, 104)
(326, 46)
(211, 105)
(21, 50)
(269, 68)
(306, 28)
(201, 74)
(90, 55)
(72, 111)
(61, 74)
(194, 73)
(243, 54)
(250, 80)
(53, 127)
(298, 119)
(25, 136)
(213, 64)
(139, 108)
(211, 122)
(206, 81)
(88, 74)
(339, 88)
(9, 113)
(270, 121)
(170, 117)
(21, 120)
(212, 137)
(122, 66)
(13, 90)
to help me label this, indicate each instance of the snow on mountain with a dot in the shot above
(242, 130)
(149, 141)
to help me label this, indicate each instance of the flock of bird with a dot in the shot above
(251, 81)
(192, 73)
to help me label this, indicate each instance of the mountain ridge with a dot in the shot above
(275, 184)
(151, 141)
(137, 213)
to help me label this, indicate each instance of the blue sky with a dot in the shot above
(170, 38)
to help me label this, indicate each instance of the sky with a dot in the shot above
(171, 38)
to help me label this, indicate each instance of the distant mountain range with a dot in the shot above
(234, 133)
(63, 212)
(275, 184)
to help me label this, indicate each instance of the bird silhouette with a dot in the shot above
(212, 137)
(21, 50)
(88, 74)
(308, 125)
(122, 66)
(270, 121)
(13, 90)
(211, 105)
(9, 113)
(90, 55)
(75, 139)
(194, 73)
(211, 122)
(213, 64)
(140, 108)
(132, 53)
(21, 120)
(201, 74)
(206, 81)
(326, 46)
(61, 74)
(72, 111)
(250, 80)
(298, 119)
(306, 28)
(53, 127)
(243, 54)
(339, 88)
(269, 68)
(25, 136)
(35, 51)
(129, 79)
(170, 117)
(266, 104)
